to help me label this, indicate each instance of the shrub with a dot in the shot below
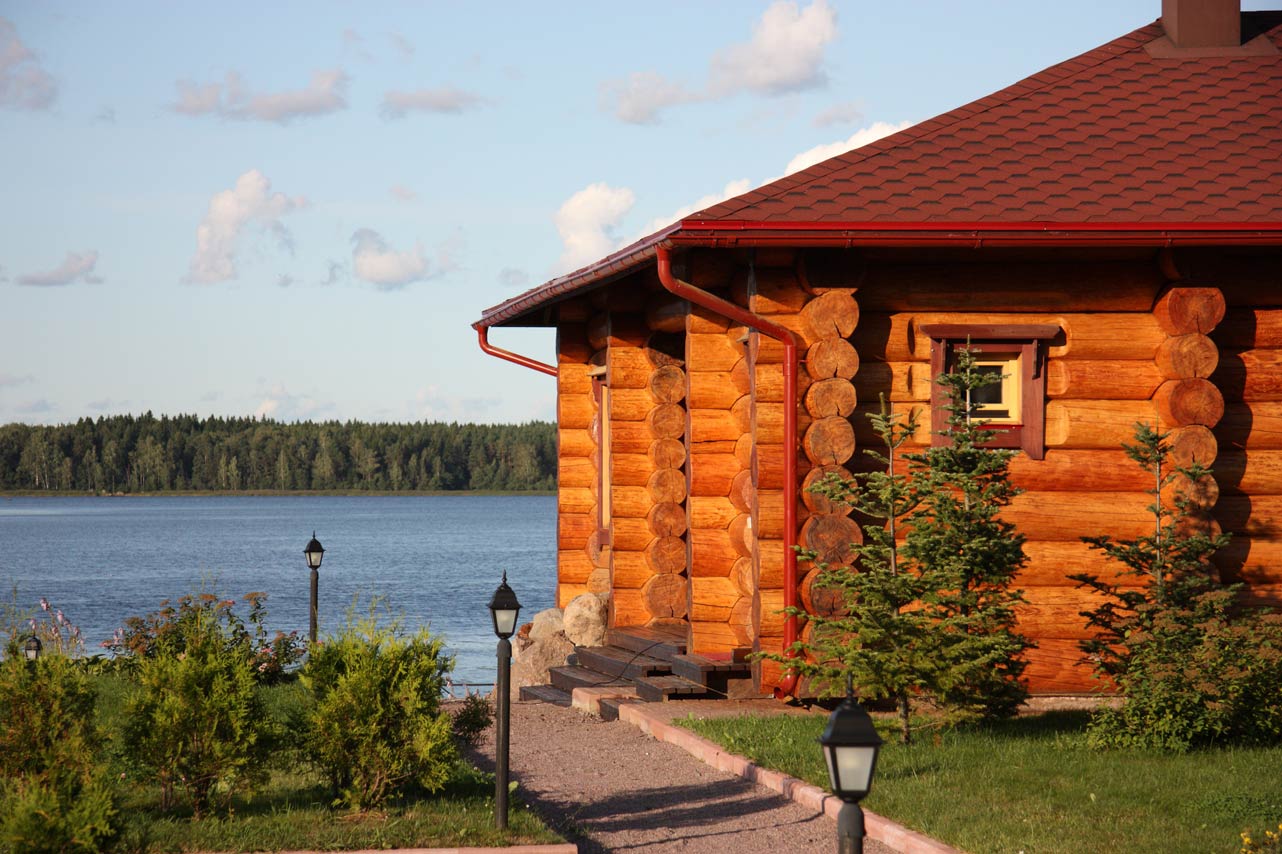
(377, 726)
(54, 795)
(472, 718)
(196, 722)
(1193, 669)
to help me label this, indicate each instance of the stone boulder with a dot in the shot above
(546, 623)
(584, 620)
(537, 647)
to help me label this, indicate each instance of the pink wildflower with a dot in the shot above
(44, 604)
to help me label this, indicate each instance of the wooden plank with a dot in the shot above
(573, 566)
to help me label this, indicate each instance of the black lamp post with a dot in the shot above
(31, 649)
(314, 552)
(850, 745)
(503, 611)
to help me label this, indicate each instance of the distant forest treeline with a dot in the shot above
(126, 453)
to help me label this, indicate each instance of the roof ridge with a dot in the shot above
(949, 118)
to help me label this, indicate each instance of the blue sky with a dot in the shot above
(297, 209)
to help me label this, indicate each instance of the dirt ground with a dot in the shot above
(609, 787)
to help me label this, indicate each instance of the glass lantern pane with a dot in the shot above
(854, 767)
(505, 621)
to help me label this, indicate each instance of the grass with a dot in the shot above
(293, 809)
(1032, 785)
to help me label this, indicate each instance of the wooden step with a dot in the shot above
(661, 642)
(703, 670)
(609, 708)
(570, 676)
(660, 689)
(544, 694)
(622, 663)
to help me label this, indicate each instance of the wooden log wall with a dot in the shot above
(1248, 469)
(578, 543)
(648, 482)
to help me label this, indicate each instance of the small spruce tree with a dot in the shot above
(968, 556)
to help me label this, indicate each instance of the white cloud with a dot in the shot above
(838, 114)
(24, 84)
(512, 277)
(10, 380)
(282, 405)
(231, 99)
(285, 280)
(107, 404)
(430, 404)
(251, 201)
(859, 138)
(640, 97)
(77, 266)
(379, 264)
(335, 272)
(403, 45)
(785, 54)
(403, 194)
(35, 407)
(444, 99)
(587, 220)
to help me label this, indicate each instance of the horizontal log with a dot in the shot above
(741, 622)
(1262, 596)
(712, 638)
(712, 474)
(895, 337)
(667, 554)
(628, 368)
(744, 450)
(630, 469)
(573, 566)
(667, 520)
(741, 411)
(1250, 375)
(1051, 562)
(832, 357)
(1070, 515)
(1257, 515)
(1253, 425)
(1251, 560)
(667, 596)
(1182, 310)
(628, 329)
(571, 499)
(1056, 612)
(1184, 356)
(818, 504)
(772, 616)
(769, 519)
(770, 564)
(741, 377)
(769, 466)
(665, 348)
(575, 471)
(1082, 286)
(1249, 328)
(768, 423)
(575, 411)
(1099, 380)
(1253, 472)
(711, 390)
(566, 593)
(572, 346)
(744, 576)
(575, 442)
(668, 384)
(711, 512)
(831, 538)
(833, 396)
(898, 381)
(630, 502)
(627, 608)
(574, 379)
(764, 350)
(703, 321)
(714, 592)
(711, 552)
(598, 330)
(829, 441)
(740, 529)
(631, 534)
(713, 425)
(573, 530)
(768, 382)
(666, 313)
(666, 486)
(633, 437)
(1181, 403)
(711, 353)
(1056, 667)
(1070, 470)
(1096, 423)
(834, 314)
(629, 570)
(776, 291)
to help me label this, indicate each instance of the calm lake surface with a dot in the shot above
(434, 559)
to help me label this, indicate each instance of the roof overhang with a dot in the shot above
(731, 234)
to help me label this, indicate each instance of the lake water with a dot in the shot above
(434, 559)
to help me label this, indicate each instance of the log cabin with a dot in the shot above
(1108, 232)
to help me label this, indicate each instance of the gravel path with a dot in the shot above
(609, 787)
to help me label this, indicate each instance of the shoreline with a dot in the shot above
(272, 493)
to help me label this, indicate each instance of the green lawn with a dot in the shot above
(1032, 785)
(292, 811)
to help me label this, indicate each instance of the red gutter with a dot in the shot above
(687, 291)
(483, 336)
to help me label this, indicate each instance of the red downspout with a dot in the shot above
(687, 291)
(483, 335)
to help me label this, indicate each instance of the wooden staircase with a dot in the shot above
(642, 664)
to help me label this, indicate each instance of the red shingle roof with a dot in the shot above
(1114, 135)
(1119, 135)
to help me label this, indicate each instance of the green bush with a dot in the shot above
(195, 722)
(54, 795)
(472, 718)
(377, 727)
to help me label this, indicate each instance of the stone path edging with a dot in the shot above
(875, 826)
(557, 848)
